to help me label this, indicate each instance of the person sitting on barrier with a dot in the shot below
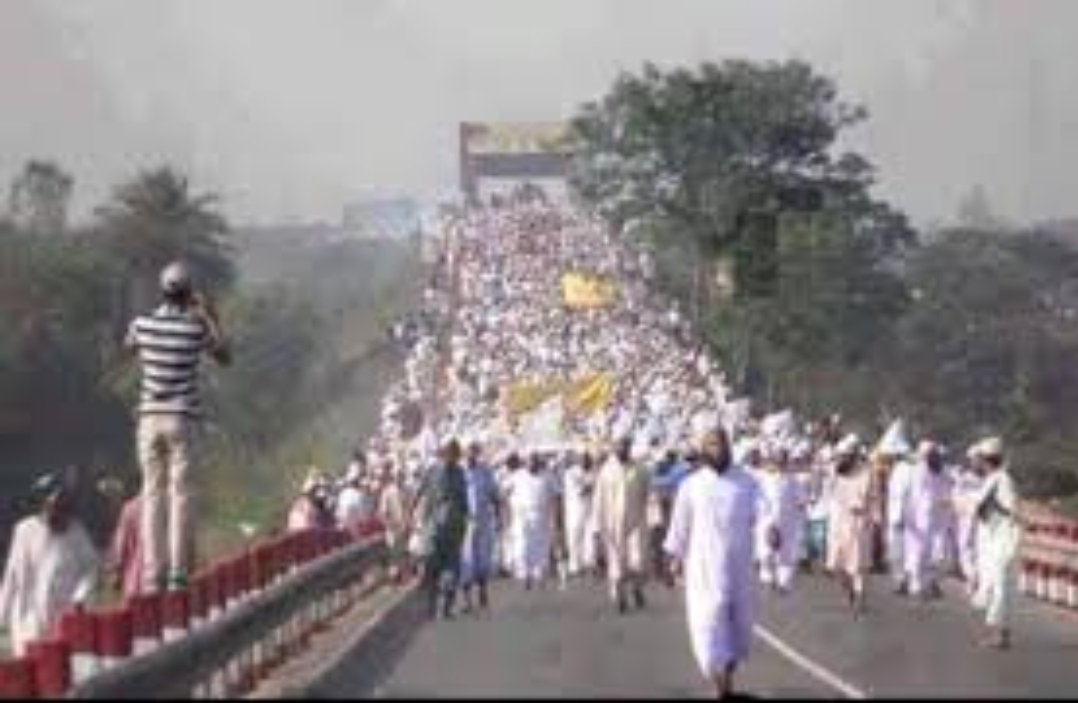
(52, 564)
(309, 509)
(352, 507)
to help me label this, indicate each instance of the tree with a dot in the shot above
(155, 219)
(989, 346)
(39, 198)
(722, 154)
(735, 162)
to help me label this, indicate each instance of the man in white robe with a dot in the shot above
(922, 521)
(532, 501)
(710, 535)
(998, 534)
(579, 482)
(897, 500)
(780, 528)
(620, 514)
(966, 489)
(893, 449)
(52, 565)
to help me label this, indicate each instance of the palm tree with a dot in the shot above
(155, 219)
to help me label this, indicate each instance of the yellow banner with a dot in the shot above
(583, 291)
(584, 396)
(525, 396)
(590, 394)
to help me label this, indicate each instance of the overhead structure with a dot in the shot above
(524, 151)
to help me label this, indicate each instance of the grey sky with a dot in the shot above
(289, 107)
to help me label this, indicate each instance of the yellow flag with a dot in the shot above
(524, 396)
(590, 394)
(582, 291)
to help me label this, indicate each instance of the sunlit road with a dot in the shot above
(570, 643)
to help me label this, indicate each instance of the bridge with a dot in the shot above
(315, 614)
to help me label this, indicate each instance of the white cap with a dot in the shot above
(894, 442)
(175, 277)
(848, 445)
(989, 447)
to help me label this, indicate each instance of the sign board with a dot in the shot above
(514, 137)
(511, 150)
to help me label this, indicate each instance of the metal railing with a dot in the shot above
(240, 618)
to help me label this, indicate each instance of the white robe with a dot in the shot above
(619, 509)
(997, 547)
(711, 532)
(897, 490)
(530, 497)
(923, 510)
(46, 572)
(781, 507)
(576, 502)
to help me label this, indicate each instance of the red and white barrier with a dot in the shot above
(115, 636)
(17, 679)
(77, 628)
(51, 661)
(1026, 576)
(146, 622)
(174, 615)
(1072, 589)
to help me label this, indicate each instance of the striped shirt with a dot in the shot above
(170, 343)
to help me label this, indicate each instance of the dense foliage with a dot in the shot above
(832, 302)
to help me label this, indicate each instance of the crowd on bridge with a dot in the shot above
(556, 440)
(558, 490)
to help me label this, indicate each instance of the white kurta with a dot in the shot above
(576, 502)
(997, 547)
(897, 490)
(620, 514)
(530, 498)
(711, 532)
(781, 507)
(922, 523)
(46, 572)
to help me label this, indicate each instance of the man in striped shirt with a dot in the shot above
(170, 343)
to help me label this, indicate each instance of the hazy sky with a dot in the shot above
(290, 107)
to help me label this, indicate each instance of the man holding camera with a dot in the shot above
(170, 343)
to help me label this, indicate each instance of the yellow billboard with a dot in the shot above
(514, 137)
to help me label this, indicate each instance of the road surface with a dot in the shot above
(570, 643)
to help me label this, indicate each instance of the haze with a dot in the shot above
(291, 108)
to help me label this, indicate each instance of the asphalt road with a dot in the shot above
(570, 643)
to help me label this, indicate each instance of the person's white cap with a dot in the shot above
(989, 447)
(850, 444)
(175, 277)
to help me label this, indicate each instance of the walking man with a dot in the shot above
(620, 509)
(445, 493)
(710, 536)
(170, 343)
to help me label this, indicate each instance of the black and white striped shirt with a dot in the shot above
(170, 344)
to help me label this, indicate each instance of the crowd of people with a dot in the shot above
(665, 477)
(671, 478)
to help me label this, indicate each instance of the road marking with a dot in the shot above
(833, 680)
